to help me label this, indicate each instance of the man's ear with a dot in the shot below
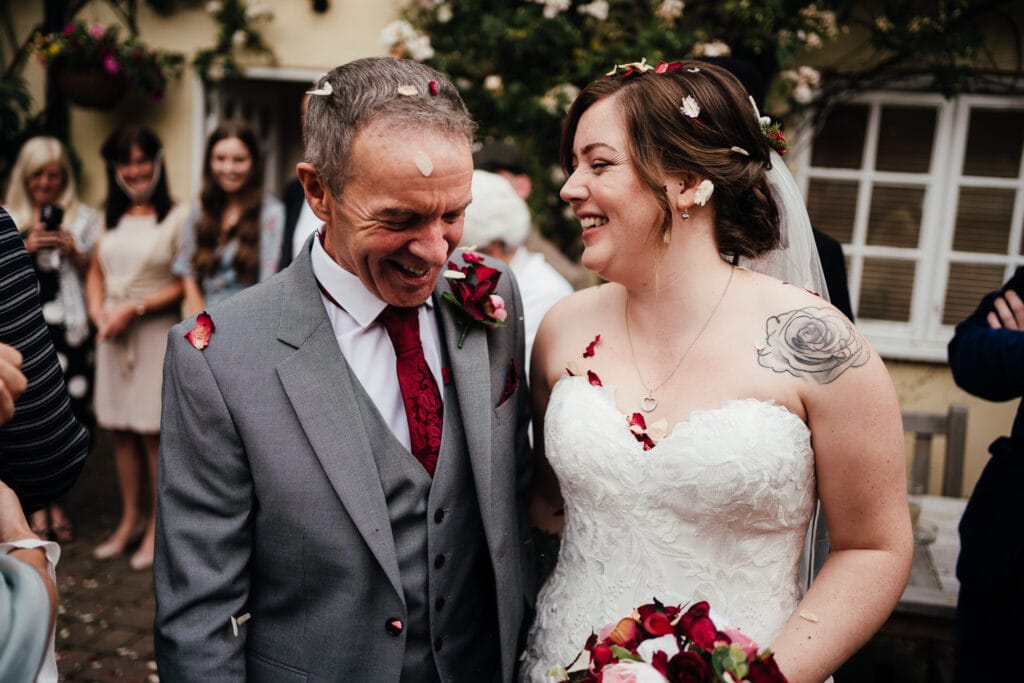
(318, 196)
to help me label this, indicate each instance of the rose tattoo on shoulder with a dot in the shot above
(813, 343)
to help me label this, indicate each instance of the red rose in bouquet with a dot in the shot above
(662, 644)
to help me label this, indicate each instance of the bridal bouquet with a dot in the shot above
(663, 644)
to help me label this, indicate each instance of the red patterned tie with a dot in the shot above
(423, 407)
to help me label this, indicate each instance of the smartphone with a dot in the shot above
(52, 216)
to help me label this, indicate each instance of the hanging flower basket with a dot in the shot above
(90, 87)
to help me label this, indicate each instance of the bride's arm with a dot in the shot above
(857, 436)
(546, 507)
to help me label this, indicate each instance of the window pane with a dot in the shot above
(886, 289)
(994, 142)
(983, 220)
(905, 139)
(840, 142)
(832, 205)
(895, 219)
(967, 283)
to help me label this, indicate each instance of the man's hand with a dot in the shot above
(1009, 313)
(12, 382)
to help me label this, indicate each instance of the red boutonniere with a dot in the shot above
(199, 336)
(473, 293)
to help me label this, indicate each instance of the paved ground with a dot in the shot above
(105, 621)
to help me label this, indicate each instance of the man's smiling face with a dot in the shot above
(393, 226)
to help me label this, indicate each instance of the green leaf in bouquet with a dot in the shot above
(622, 654)
(730, 658)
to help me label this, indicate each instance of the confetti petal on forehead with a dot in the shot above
(424, 163)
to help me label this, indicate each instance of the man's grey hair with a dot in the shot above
(369, 90)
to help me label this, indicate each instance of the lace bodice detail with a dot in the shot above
(717, 511)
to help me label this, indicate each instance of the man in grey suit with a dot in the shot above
(340, 499)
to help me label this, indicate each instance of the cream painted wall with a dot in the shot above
(930, 386)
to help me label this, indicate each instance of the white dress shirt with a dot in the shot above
(306, 224)
(366, 344)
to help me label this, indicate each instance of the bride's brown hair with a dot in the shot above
(212, 202)
(663, 141)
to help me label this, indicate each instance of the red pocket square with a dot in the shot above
(511, 382)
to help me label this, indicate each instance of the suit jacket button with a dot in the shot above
(439, 516)
(439, 604)
(438, 561)
(438, 642)
(393, 627)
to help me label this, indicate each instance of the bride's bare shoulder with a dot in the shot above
(574, 321)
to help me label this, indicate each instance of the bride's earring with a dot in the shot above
(685, 215)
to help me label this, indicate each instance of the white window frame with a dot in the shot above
(923, 337)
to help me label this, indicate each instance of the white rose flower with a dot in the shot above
(704, 191)
(419, 48)
(444, 13)
(670, 10)
(715, 48)
(631, 672)
(493, 82)
(666, 643)
(597, 9)
(802, 93)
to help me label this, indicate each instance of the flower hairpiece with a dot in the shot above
(773, 132)
(324, 90)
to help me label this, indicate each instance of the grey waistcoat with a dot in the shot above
(450, 624)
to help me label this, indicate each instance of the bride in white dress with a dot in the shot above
(756, 396)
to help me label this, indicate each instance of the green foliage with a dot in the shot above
(239, 31)
(518, 64)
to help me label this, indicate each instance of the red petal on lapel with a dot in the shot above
(199, 336)
(446, 375)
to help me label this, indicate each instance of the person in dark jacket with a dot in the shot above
(986, 356)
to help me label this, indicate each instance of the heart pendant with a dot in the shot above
(648, 404)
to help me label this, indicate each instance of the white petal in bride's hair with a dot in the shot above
(690, 107)
(703, 193)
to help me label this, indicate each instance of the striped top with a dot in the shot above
(43, 447)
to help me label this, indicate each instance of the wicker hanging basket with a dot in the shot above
(91, 88)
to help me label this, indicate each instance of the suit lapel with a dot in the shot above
(471, 373)
(318, 384)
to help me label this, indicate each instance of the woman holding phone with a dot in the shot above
(59, 233)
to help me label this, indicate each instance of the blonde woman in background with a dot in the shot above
(59, 233)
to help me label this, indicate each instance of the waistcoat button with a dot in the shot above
(393, 627)
(438, 561)
(439, 516)
(439, 604)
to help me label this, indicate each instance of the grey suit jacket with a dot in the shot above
(270, 503)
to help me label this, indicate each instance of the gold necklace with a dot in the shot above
(648, 403)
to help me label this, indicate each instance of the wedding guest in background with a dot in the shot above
(59, 232)
(498, 224)
(133, 299)
(507, 160)
(299, 220)
(42, 444)
(232, 239)
(986, 356)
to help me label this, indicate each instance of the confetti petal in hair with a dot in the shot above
(703, 193)
(324, 90)
(694, 70)
(408, 90)
(690, 107)
(424, 164)
(432, 86)
(739, 150)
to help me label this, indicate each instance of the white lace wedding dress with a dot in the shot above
(717, 511)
